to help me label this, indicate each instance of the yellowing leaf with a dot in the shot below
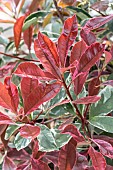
(64, 3)
(47, 19)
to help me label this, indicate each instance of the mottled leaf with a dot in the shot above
(87, 100)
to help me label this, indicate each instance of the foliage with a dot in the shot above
(56, 89)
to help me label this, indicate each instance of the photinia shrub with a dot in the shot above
(59, 114)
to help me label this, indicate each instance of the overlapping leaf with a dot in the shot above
(39, 165)
(9, 98)
(46, 52)
(87, 100)
(105, 148)
(31, 70)
(98, 160)
(18, 30)
(67, 157)
(67, 38)
(37, 94)
(74, 132)
(27, 36)
(29, 131)
(4, 119)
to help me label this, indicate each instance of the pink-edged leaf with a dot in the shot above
(87, 100)
(29, 131)
(97, 22)
(46, 52)
(77, 51)
(105, 148)
(105, 138)
(18, 30)
(27, 36)
(4, 119)
(39, 165)
(53, 157)
(93, 87)
(81, 162)
(67, 38)
(98, 161)
(79, 82)
(88, 36)
(67, 157)
(9, 98)
(90, 57)
(108, 57)
(37, 96)
(8, 164)
(6, 69)
(31, 70)
(108, 82)
(74, 132)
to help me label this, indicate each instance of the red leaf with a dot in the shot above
(39, 165)
(108, 57)
(93, 87)
(67, 38)
(109, 82)
(37, 94)
(87, 100)
(8, 164)
(88, 36)
(46, 52)
(74, 132)
(79, 82)
(98, 161)
(31, 70)
(90, 57)
(18, 30)
(77, 51)
(67, 157)
(81, 162)
(29, 131)
(27, 36)
(97, 22)
(67, 122)
(4, 119)
(9, 98)
(105, 147)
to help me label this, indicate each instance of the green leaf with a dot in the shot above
(105, 104)
(58, 98)
(3, 40)
(21, 142)
(46, 140)
(102, 122)
(61, 139)
(81, 13)
(32, 18)
(10, 130)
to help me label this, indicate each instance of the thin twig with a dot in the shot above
(19, 58)
(58, 11)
